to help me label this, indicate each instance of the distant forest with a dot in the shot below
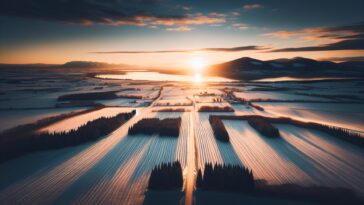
(18, 145)
(168, 127)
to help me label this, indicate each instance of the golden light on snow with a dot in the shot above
(198, 78)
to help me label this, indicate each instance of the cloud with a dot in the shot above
(184, 8)
(108, 12)
(240, 26)
(344, 59)
(249, 7)
(180, 28)
(320, 33)
(357, 44)
(282, 34)
(196, 19)
(350, 37)
(230, 49)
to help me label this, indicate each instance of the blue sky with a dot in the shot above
(169, 33)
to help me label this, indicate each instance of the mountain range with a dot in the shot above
(243, 68)
(250, 68)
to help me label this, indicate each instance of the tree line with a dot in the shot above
(264, 127)
(168, 127)
(15, 146)
(340, 133)
(215, 109)
(31, 127)
(219, 129)
(166, 176)
(89, 96)
(225, 178)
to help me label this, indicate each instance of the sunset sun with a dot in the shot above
(198, 64)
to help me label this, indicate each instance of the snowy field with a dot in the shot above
(75, 122)
(349, 116)
(116, 168)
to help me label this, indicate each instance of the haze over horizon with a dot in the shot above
(167, 33)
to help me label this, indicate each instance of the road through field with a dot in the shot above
(191, 162)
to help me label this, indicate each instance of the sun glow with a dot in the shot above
(198, 64)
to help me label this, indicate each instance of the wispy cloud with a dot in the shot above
(350, 37)
(240, 26)
(229, 49)
(282, 34)
(89, 12)
(344, 59)
(189, 19)
(180, 28)
(184, 8)
(249, 7)
(357, 44)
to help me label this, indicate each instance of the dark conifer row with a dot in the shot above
(256, 106)
(219, 129)
(225, 178)
(264, 127)
(89, 96)
(31, 127)
(166, 176)
(17, 146)
(168, 127)
(341, 133)
(215, 109)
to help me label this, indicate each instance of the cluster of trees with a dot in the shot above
(171, 110)
(15, 146)
(226, 178)
(166, 176)
(24, 129)
(217, 100)
(131, 96)
(341, 133)
(168, 127)
(81, 103)
(215, 109)
(175, 104)
(264, 127)
(219, 129)
(256, 106)
(89, 96)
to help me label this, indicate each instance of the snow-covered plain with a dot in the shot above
(76, 121)
(116, 168)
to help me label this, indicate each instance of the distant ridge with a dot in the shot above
(70, 64)
(250, 69)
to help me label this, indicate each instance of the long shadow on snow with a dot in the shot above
(228, 153)
(161, 149)
(300, 159)
(104, 169)
(36, 164)
(329, 140)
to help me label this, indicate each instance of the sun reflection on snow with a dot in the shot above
(198, 78)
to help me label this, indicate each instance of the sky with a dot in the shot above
(172, 33)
